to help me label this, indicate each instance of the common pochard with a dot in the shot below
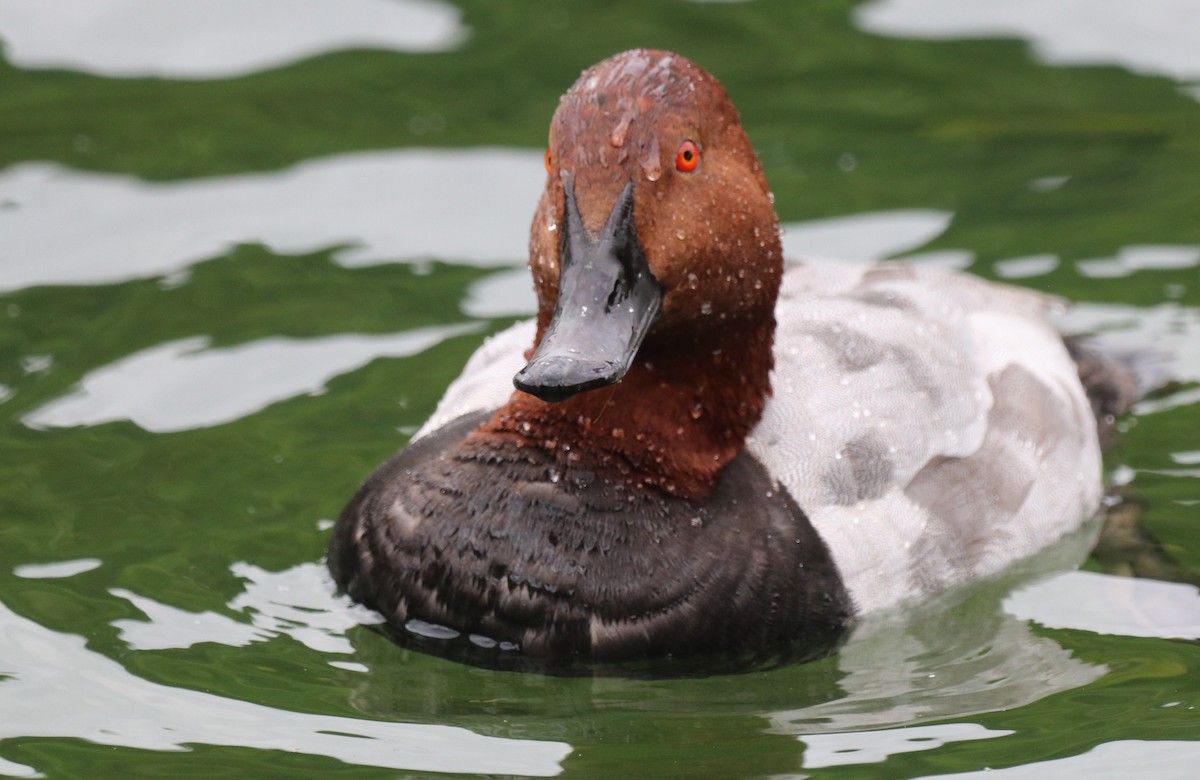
(710, 449)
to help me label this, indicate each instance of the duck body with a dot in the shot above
(709, 450)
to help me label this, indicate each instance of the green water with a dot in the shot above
(162, 606)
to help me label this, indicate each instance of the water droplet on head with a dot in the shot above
(650, 160)
(617, 138)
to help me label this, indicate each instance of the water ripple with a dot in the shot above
(216, 38)
(184, 384)
(62, 689)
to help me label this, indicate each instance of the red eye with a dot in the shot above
(688, 157)
(548, 168)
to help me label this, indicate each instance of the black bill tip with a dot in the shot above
(556, 378)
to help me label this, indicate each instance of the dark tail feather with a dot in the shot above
(1110, 381)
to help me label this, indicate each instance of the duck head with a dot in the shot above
(656, 259)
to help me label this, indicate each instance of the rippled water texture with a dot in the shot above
(244, 246)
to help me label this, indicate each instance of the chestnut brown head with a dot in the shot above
(656, 215)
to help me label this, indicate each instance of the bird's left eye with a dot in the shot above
(549, 169)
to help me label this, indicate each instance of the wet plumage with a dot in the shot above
(712, 450)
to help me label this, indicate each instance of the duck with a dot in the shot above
(698, 447)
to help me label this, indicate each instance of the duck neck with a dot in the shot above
(681, 413)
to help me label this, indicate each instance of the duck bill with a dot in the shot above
(607, 301)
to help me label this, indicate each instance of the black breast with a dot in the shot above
(501, 543)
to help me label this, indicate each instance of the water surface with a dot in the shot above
(242, 256)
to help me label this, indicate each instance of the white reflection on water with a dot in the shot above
(1121, 760)
(1147, 36)
(167, 627)
(13, 769)
(184, 384)
(954, 259)
(900, 674)
(62, 689)
(1025, 267)
(872, 747)
(1103, 604)
(502, 294)
(1131, 259)
(1163, 341)
(956, 655)
(214, 38)
(974, 652)
(72, 227)
(865, 237)
(56, 570)
(298, 602)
